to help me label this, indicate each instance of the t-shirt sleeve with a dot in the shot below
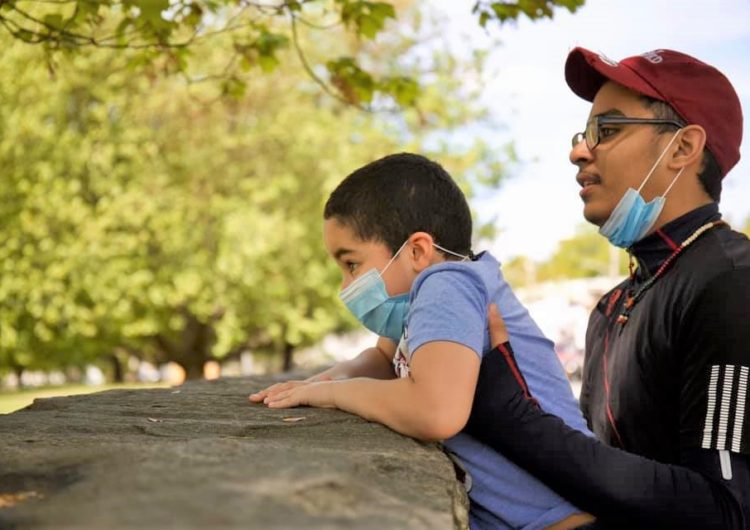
(448, 305)
(716, 366)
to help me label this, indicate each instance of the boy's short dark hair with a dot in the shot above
(391, 198)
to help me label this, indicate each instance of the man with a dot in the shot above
(665, 382)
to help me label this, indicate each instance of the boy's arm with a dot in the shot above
(372, 362)
(433, 403)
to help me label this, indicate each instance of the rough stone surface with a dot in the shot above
(202, 456)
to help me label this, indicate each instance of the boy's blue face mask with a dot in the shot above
(369, 301)
(633, 217)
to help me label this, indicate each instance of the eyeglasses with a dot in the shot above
(592, 134)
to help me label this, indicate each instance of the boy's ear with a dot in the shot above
(421, 250)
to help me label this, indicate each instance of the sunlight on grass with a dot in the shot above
(12, 401)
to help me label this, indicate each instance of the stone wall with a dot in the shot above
(201, 456)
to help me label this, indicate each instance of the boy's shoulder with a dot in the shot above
(481, 273)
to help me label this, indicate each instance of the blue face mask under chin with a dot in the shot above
(633, 217)
(369, 301)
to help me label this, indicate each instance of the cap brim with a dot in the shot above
(586, 72)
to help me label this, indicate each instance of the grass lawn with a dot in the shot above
(11, 401)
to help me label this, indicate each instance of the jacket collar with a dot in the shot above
(653, 249)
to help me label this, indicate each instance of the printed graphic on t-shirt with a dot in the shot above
(401, 357)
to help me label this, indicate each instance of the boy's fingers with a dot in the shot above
(266, 393)
(262, 394)
(498, 331)
(282, 400)
(259, 395)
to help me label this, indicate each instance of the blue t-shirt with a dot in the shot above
(449, 302)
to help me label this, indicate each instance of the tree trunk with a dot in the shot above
(191, 350)
(288, 357)
(118, 376)
(18, 371)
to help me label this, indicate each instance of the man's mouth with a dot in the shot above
(587, 179)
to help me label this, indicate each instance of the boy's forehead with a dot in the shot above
(341, 239)
(336, 231)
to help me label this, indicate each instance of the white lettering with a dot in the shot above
(653, 57)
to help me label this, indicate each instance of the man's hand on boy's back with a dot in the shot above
(498, 331)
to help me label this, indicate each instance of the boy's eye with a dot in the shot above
(351, 266)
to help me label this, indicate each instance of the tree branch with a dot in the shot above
(309, 70)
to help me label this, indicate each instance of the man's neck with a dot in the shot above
(678, 209)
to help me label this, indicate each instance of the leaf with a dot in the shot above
(368, 18)
(53, 21)
(122, 27)
(194, 15)
(151, 12)
(294, 6)
(354, 84)
(25, 35)
(234, 87)
(268, 63)
(403, 89)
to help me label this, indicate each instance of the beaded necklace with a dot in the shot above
(631, 300)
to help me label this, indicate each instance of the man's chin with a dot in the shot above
(594, 217)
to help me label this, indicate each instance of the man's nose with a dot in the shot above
(580, 154)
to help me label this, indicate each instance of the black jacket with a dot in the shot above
(664, 388)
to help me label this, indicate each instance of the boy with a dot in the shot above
(400, 230)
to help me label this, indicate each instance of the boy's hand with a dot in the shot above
(274, 389)
(498, 332)
(266, 393)
(297, 393)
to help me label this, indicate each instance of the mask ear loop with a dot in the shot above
(674, 180)
(657, 163)
(463, 258)
(393, 258)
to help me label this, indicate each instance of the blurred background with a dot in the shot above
(165, 165)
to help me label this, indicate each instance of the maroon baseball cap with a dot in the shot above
(699, 93)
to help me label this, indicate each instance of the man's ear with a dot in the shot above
(689, 148)
(421, 250)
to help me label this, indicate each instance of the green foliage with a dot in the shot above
(510, 11)
(585, 255)
(366, 18)
(163, 37)
(178, 221)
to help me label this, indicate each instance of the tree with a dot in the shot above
(177, 218)
(176, 222)
(585, 255)
(164, 34)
